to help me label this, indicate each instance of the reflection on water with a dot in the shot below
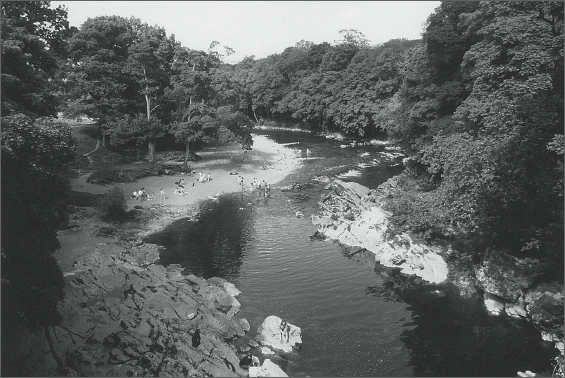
(357, 318)
(210, 245)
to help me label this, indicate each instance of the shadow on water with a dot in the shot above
(214, 242)
(451, 336)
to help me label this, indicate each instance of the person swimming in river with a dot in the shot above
(285, 330)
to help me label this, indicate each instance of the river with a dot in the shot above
(357, 319)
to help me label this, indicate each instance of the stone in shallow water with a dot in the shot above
(493, 304)
(270, 334)
(268, 369)
(266, 351)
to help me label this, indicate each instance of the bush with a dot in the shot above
(114, 205)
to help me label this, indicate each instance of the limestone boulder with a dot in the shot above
(219, 299)
(545, 307)
(516, 310)
(227, 286)
(350, 215)
(493, 304)
(267, 369)
(270, 334)
(506, 276)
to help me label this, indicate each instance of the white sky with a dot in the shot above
(262, 28)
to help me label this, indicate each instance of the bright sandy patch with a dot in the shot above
(278, 160)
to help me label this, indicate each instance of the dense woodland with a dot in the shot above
(477, 104)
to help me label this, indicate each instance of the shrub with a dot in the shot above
(113, 204)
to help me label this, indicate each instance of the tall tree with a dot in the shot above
(121, 67)
(96, 84)
(33, 37)
(204, 93)
(149, 61)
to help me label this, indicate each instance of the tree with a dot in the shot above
(34, 208)
(149, 61)
(354, 38)
(201, 122)
(242, 78)
(121, 67)
(267, 86)
(204, 93)
(96, 84)
(33, 37)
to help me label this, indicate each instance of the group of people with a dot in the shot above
(180, 187)
(141, 195)
(262, 187)
(204, 178)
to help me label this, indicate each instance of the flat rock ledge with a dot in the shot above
(267, 369)
(125, 316)
(271, 334)
(350, 214)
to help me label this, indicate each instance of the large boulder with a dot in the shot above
(506, 276)
(227, 286)
(219, 299)
(545, 307)
(350, 215)
(267, 369)
(270, 334)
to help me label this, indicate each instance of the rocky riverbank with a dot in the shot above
(352, 214)
(125, 314)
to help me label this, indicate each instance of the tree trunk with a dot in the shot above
(186, 155)
(103, 140)
(255, 115)
(151, 156)
(139, 147)
(52, 349)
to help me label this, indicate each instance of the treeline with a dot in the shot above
(477, 103)
(481, 112)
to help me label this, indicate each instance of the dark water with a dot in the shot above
(357, 319)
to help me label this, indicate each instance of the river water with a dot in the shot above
(357, 319)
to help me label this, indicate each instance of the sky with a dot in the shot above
(262, 28)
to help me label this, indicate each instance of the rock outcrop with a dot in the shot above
(267, 369)
(271, 333)
(350, 214)
(124, 316)
(506, 276)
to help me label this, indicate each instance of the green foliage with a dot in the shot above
(113, 205)
(481, 107)
(137, 130)
(34, 195)
(96, 84)
(33, 38)
(415, 211)
(211, 124)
